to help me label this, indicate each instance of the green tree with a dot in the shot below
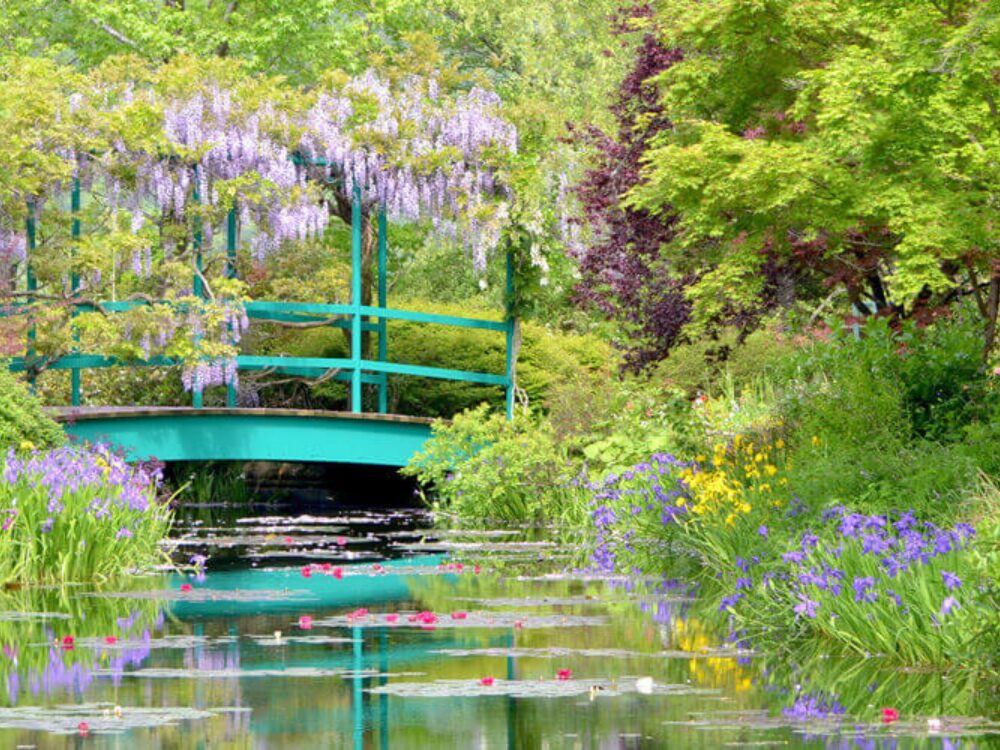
(832, 143)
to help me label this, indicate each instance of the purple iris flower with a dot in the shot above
(806, 606)
(949, 604)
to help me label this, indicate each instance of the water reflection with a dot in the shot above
(259, 655)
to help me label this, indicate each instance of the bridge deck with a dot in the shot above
(175, 433)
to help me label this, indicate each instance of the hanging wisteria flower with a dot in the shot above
(414, 150)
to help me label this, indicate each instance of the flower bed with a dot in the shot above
(77, 514)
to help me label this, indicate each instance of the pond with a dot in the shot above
(375, 630)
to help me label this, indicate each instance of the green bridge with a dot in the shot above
(246, 434)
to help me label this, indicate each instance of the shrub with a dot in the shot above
(484, 467)
(703, 366)
(21, 416)
(78, 514)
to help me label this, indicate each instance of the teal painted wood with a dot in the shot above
(191, 434)
(509, 324)
(196, 285)
(93, 361)
(31, 283)
(424, 317)
(383, 292)
(231, 230)
(356, 300)
(439, 373)
(74, 207)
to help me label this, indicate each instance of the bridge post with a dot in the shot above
(356, 300)
(74, 205)
(231, 233)
(32, 284)
(383, 287)
(509, 371)
(197, 287)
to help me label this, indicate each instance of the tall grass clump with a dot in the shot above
(77, 514)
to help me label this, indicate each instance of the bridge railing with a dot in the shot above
(367, 371)
(357, 370)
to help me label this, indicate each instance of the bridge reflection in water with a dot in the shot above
(373, 652)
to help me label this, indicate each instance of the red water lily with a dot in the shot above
(427, 618)
(306, 571)
(111, 640)
(889, 715)
(288, 540)
(306, 622)
(185, 587)
(338, 573)
(83, 728)
(68, 643)
(564, 674)
(392, 618)
(459, 615)
(487, 681)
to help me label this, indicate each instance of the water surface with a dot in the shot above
(369, 630)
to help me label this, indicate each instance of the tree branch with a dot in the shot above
(114, 34)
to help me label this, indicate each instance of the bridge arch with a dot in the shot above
(223, 434)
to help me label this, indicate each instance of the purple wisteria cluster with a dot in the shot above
(204, 372)
(417, 152)
(648, 489)
(209, 137)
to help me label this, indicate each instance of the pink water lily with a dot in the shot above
(378, 568)
(306, 571)
(111, 640)
(564, 674)
(487, 681)
(306, 622)
(459, 615)
(476, 570)
(338, 573)
(185, 587)
(68, 643)
(341, 541)
(392, 618)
